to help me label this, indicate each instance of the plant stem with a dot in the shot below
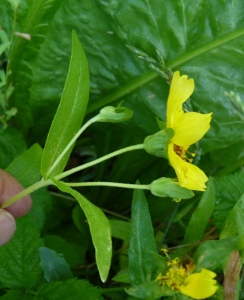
(169, 223)
(99, 160)
(70, 144)
(152, 75)
(111, 184)
(47, 182)
(25, 192)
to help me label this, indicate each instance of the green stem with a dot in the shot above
(47, 182)
(111, 184)
(25, 192)
(99, 160)
(169, 223)
(70, 144)
(151, 76)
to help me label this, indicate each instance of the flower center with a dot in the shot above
(176, 274)
(182, 152)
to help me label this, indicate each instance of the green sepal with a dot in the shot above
(113, 114)
(166, 187)
(162, 125)
(157, 144)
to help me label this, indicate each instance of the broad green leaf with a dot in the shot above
(122, 276)
(12, 145)
(232, 221)
(99, 227)
(142, 243)
(72, 289)
(17, 294)
(120, 229)
(228, 189)
(32, 19)
(20, 263)
(70, 113)
(200, 217)
(26, 167)
(54, 267)
(214, 254)
(150, 290)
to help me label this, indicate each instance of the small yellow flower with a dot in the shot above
(196, 285)
(189, 128)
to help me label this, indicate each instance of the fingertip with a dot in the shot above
(9, 187)
(7, 226)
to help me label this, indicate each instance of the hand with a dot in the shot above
(9, 187)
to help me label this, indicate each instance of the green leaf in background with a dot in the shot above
(228, 191)
(200, 217)
(26, 167)
(72, 254)
(150, 290)
(141, 264)
(214, 254)
(31, 19)
(231, 227)
(54, 267)
(17, 294)
(120, 229)
(99, 227)
(70, 113)
(12, 145)
(20, 262)
(72, 289)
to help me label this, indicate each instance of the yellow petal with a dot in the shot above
(181, 89)
(190, 128)
(189, 175)
(200, 285)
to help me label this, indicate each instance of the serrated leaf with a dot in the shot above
(20, 263)
(200, 217)
(17, 294)
(54, 267)
(142, 243)
(26, 167)
(99, 227)
(72, 289)
(70, 113)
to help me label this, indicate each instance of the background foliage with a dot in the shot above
(203, 39)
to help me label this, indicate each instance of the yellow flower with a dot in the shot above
(189, 128)
(196, 285)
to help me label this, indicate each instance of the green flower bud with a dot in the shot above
(114, 114)
(166, 187)
(157, 144)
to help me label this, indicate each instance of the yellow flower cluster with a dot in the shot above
(196, 285)
(189, 128)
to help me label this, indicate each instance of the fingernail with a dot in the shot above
(7, 226)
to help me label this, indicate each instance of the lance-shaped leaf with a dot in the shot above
(99, 227)
(200, 217)
(142, 243)
(70, 113)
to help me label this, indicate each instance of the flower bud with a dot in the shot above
(114, 114)
(157, 144)
(166, 187)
